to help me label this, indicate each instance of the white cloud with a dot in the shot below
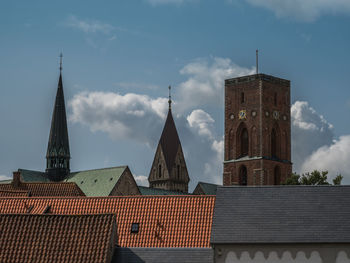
(305, 10)
(88, 26)
(141, 180)
(211, 154)
(129, 116)
(5, 177)
(205, 85)
(202, 122)
(333, 158)
(310, 131)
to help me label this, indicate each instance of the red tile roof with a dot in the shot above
(164, 221)
(14, 193)
(45, 189)
(57, 238)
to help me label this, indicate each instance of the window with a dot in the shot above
(243, 180)
(134, 227)
(242, 97)
(178, 171)
(244, 142)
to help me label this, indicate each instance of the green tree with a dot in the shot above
(314, 178)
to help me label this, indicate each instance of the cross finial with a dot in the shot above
(169, 101)
(61, 56)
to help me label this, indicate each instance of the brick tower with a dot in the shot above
(257, 130)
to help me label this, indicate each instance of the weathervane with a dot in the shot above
(169, 101)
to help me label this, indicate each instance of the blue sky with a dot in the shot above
(120, 57)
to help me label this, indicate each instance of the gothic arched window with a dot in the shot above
(243, 177)
(244, 142)
(242, 97)
(273, 144)
(178, 171)
(277, 176)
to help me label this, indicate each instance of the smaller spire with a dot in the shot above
(169, 101)
(61, 56)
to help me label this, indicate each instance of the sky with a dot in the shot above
(119, 57)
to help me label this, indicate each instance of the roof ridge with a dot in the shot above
(106, 168)
(112, 197)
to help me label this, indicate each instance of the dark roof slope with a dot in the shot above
(57, 238)
(45, 189)
(282, 214)
(164, 221)
(163, 255)
(169, 141)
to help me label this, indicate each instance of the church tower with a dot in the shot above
(169, 170)
(58, 154)
(257, 130)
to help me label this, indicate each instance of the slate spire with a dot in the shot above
(58, 154)
(169, 170)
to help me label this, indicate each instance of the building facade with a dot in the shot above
(257, 130)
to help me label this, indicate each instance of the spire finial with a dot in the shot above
(61, 56)
(169, 101)
(257, 61)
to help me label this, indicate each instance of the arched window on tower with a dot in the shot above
(244, 142)
(242, 97)
(178, 171)
(243, 177)
(273, 144)
(277, 176)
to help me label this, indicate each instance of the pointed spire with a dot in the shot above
(58, 154)
(169, 101)
(169, 158)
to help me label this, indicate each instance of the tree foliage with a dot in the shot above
(314, 178)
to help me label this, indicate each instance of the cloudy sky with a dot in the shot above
(120, 57)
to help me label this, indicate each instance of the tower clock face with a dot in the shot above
(232, 116)
(276, 115)
(253, 113)
(242, 114)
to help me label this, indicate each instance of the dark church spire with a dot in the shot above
(58, 154)
(169, 170)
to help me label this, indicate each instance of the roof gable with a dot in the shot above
(282, 214)
(57, 238)
(164, 221)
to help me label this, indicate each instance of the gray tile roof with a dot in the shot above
(282, 214)
(163, 255)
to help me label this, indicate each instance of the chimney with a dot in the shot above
(16, 179)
